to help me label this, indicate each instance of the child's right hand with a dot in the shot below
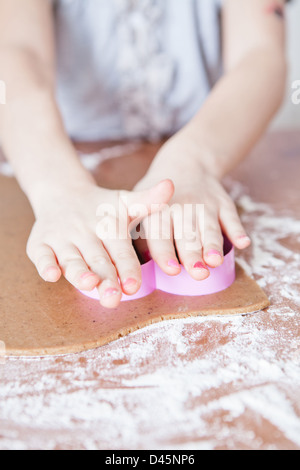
(64, 238)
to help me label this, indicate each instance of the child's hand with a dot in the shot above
(196, 238)
(64, 240)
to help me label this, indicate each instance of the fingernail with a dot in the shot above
(129, 282)
(86, 275)
(244, 237)
(173, 263)
(52, 268)
(110, 292)
(200, 265)
(47, 275)
(213, 253)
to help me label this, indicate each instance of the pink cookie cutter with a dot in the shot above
(154, 278)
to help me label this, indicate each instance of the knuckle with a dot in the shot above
(70, 261)
(191, 248)
(100, 260)
(124, 255)
(210, 215)
(212, 234)
(212, 229)
(229, 206)
(32, 250)
(42, 263)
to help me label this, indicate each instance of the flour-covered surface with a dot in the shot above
(198, 383)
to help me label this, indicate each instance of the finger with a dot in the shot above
(99, 262)
(114, 235)
(126, 262)
(232, 225)
(45, 261)
(75, 268)
(141, 203)
(159, 233)
(192, 259)
(212, 239)
(189, 247)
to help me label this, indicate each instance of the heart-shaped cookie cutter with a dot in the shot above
(183, 284)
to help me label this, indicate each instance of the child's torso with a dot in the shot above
(134, 68)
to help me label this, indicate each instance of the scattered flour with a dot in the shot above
(6, 169)
(92, 160)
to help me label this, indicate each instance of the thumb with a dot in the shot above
(142, 203)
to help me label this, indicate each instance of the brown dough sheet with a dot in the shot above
(38, 318)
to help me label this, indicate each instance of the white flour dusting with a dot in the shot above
(197, 383)
(92, 160)
(6, 168)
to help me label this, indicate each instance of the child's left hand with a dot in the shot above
(196, 238)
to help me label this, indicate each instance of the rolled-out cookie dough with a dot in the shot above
(37, 318)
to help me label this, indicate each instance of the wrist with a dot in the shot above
(183, 154)
(202, 152)
(47, 192)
